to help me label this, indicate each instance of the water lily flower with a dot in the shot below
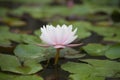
(59, 37)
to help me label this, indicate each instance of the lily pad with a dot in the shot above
(82, 29)
(104, 31)
(81, 71)
(13, 22)
(95, 49)
(30, 39)
(83, 33)
(4, 76)
(12, 64)
(78, 68)
(3, 11)
(115, 39)
(4, 29)
(92, 69)
(8, 36)
(29, 67)
(85, 77)
(32, 77)
(9, 62)
(105, 68)
(37, 32)
(26, 52)
(113, 52)
(4, 42)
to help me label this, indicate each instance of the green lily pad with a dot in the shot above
(4, 29)
(29, 67)
(37, 32)
(83, 33)
(115, 39)
(12, 64)
(34, 11)
(93, 69)
(30, 39)
(26, 52)
(105, 68)
(4, 42)
(95, 49)
(60, 22)
(3, 11)
(4, 76)
(85, 77)
(104, 3)
(8, 62)
(113, 52)
(78, 68)
(31, 1)
(82, 25)
(82, 29)
(104, 31)
(8, 36)
(13, 22)
(14, 37)
(32, 77)
(81, 71)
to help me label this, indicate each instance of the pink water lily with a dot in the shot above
(59, 36)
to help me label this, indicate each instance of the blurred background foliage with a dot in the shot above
(98, 23)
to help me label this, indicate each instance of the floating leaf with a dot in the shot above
(79, 68)
(4, 76)
(4, 42)
(83, 33)
(31, 77)
(31, 1)
(3, 11)
(9, 62)
(82, 29)
(113, 52)
(29, 67)
(12, 64)
(26, 52)
(94, 70)
(80, 71)
(30, 39)
(13, 22)
(104, 68)
(104, 31)
(82, 25)
(85, 77)
(104, 3)
(37, 32)
(4, 29)
(35, 67)
(115, 39)
(95, 49)
(7, 36)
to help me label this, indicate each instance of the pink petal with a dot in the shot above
(59, 46)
